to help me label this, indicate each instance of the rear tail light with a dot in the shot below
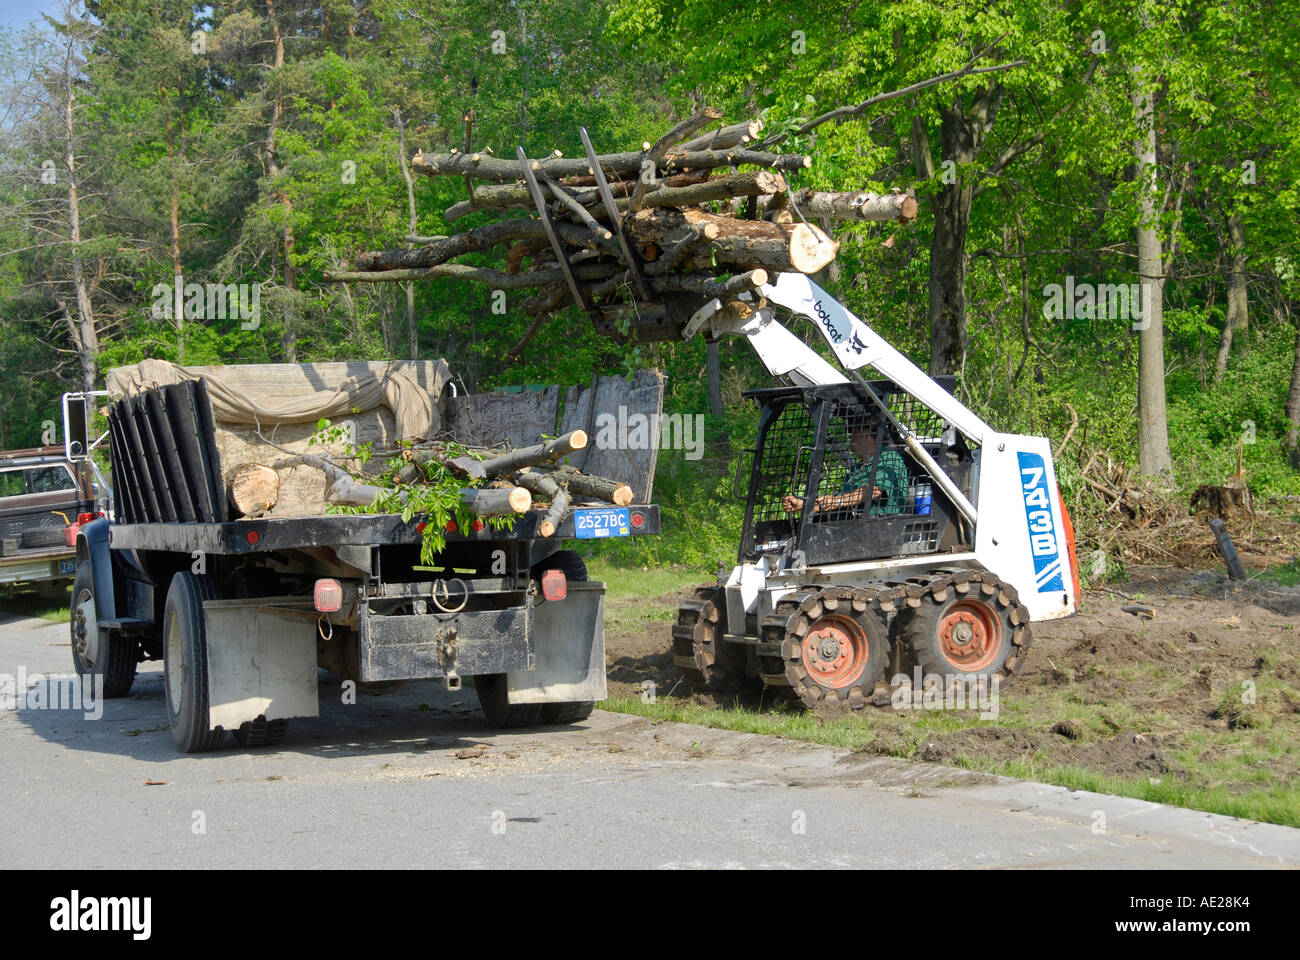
(85, 518)
(554, 585)
(328, 595)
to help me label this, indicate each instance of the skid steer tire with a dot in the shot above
(965, 626)
(834, 647)
(185, 662)
(698, 649)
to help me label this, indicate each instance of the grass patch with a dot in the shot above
(1218, 766)
(625, 582)
(54, 609)
(1287, 574)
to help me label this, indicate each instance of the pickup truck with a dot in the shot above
(43, 493)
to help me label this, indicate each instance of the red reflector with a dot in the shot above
(419, 527)
(451, 526)
(84, 518)
(638, 520)
(328, 595)
(476, 526)
(254, 536)
(554, 586)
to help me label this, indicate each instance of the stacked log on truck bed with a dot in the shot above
(639, 240)
(270, 456)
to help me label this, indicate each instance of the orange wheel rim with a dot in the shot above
(970, 635)
(835, 651)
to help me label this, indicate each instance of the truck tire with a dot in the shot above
(967, 625)
(185, 663)
(261, 732)
(569, 712)
(43, 537)
(113, 659)
(494, 698)
(569, 562)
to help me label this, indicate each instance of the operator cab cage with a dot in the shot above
(831, 443)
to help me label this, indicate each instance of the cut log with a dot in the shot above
(737, 134)
(711, 286)
(547, 489)
(497, 501)
(253, 489)
(600, 488)
(740, 243)
(502, 232)
(856, 205)
(483, 167)
(675, 255)
(546, 452)
(504, 196)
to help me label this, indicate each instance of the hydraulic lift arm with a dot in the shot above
(855, 345)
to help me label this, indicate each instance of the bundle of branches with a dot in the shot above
(630, 237)
(443, 481)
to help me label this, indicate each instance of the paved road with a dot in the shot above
(379, 784)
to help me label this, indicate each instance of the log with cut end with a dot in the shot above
(497, 501)
(856, 205)
(253, 489)
(599, 488)
(737, 134)
(547, 489)
(509, 462)
(780, 248)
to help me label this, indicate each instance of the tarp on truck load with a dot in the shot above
(264, 413)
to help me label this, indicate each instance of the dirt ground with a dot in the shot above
(1111, 692)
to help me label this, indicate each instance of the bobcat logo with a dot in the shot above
(856, 344)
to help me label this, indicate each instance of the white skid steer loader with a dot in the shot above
(887, 527)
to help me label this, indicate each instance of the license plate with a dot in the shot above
(67, 566)
(603, 522)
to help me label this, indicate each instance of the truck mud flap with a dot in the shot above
(569, 649)
(436, 645)
(261, 662)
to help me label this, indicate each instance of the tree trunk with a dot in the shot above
(289, 340)
(85, 338)
(1153, 431)
(713, 364)
(1237, 314)
(413, 224)
(961, 134)
(1293, 410)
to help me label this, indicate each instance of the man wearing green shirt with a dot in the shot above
(881, 481)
